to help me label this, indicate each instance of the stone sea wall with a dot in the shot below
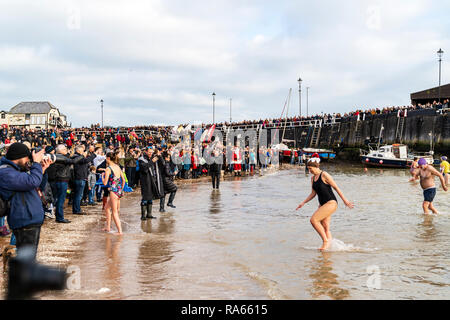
(413, 130)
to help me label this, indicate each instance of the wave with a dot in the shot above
(339, 246)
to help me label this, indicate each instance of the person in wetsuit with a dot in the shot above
(322, 183)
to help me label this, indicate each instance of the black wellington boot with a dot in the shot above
(161, 204)
(170, 202)
(143, 212)
(149, 211)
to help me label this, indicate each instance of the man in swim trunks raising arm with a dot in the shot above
(426, 174)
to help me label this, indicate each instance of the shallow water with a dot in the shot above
(246, 241)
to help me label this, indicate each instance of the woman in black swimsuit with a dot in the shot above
(322, 183)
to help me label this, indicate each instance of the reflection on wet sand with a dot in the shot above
(325, 282)
(215, 203)
(113, 258)
(165, 224)
(151, 267)
(426, 230)
(154, 252)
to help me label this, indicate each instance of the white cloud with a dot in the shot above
(159, 61)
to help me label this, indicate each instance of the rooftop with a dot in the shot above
(33, 107)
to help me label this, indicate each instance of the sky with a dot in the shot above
(158, 62)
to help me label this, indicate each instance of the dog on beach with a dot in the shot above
(8, 252)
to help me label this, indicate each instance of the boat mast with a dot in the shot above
(285, 121)
(379, 138)
(431, 142)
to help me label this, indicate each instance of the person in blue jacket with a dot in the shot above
(19, 182)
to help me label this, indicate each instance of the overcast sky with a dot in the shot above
(158, 62)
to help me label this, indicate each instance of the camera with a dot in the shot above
(27, 277)
(47, 156)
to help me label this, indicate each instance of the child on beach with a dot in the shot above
(92, 179)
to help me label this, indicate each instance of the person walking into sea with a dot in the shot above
(426, 174)
(322, 182)
(114, 178)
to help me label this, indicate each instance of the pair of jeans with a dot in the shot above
(215, 177)
(91, 195)
(131, 173)
(28, 236)
(59, 190)
(79, 189)
(98, 188)
(85, 196)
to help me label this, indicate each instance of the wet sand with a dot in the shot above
(60, 243)
(246, 241)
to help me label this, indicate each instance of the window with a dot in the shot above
(27, 116)
(3, 116)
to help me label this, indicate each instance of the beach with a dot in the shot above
(246, 241)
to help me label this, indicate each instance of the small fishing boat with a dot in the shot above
(390, 156)
(324, 154)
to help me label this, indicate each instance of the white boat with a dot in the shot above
(426, 155)
(391, 156)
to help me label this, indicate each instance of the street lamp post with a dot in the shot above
(214, 107)
(230, 110)
(307, 100)
(300, 96)
(101, 101)
(440, 53)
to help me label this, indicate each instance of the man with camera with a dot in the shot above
(81, 171)
(59, 175)
(19, 183)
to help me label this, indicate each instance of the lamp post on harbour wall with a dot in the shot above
(230, 110)
(214, 107)
(300, 97)
(440, 53)
(101, 101)
(307, 100)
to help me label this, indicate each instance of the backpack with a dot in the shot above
(5, 204)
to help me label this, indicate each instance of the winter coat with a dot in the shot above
(81, 168)
(92, 180)
(214, 168)
(169, 185)
(152, 185)
(26, 205)
(61, 169)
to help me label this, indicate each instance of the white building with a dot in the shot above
(34, 115)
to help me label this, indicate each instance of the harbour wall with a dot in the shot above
(413, 130)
